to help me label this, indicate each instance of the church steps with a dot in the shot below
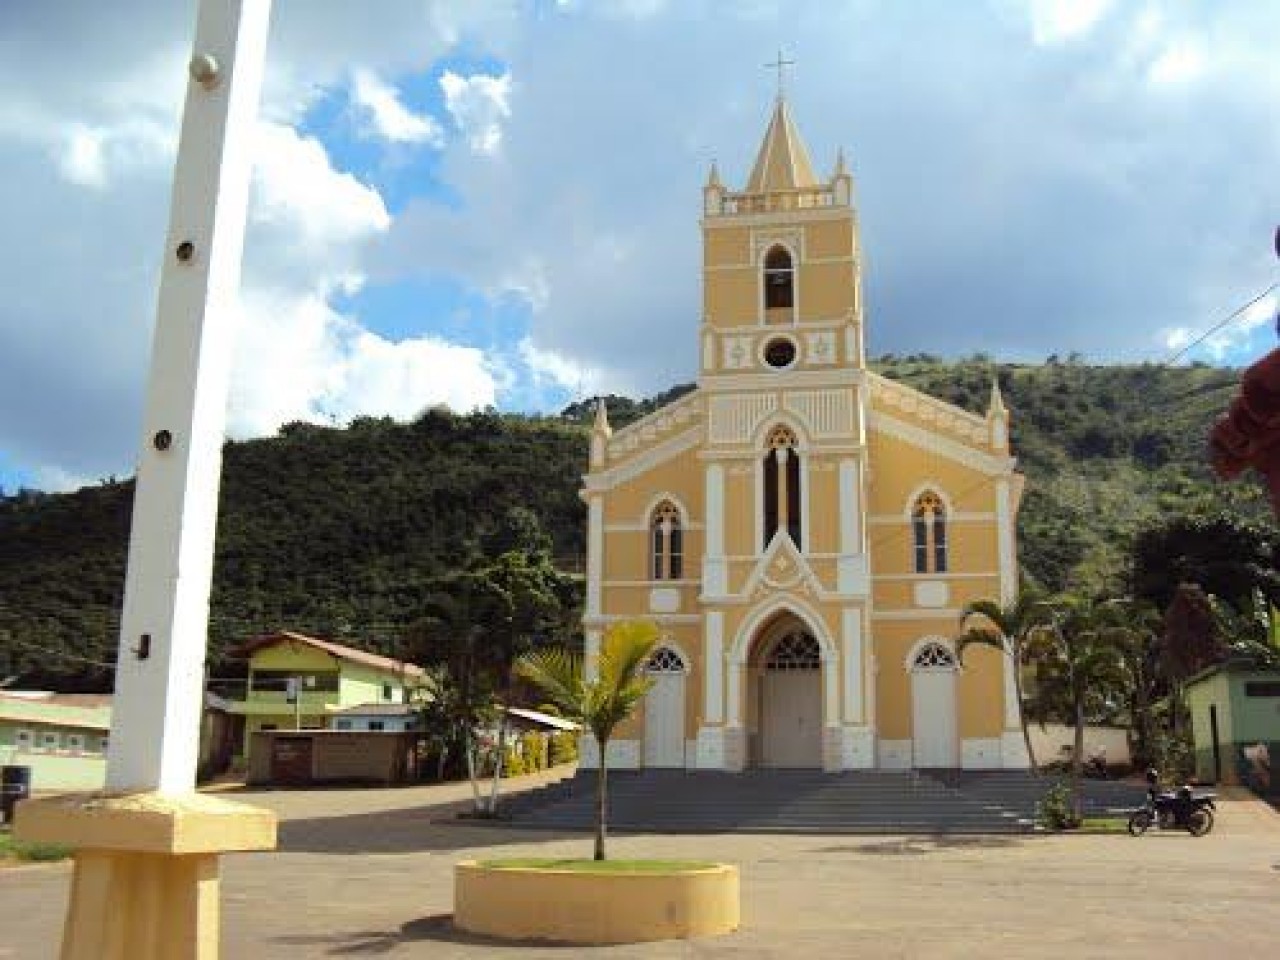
(788, 801)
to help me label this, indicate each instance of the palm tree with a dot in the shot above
(602, 703)
(1009, 629)
(1078, 663)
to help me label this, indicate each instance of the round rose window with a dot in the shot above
(779, 353)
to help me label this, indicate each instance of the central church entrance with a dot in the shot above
(788, 674)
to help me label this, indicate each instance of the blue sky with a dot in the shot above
(495, 202)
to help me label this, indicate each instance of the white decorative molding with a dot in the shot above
(857, 748)
(691, 754)
(735, 418)
(1005, 533)
(935, 412)
(820, 347)
(953, 518)
(851, 628)
(826, 413)
(708, 351)
(737, 353)
(931, 593)
(592, 665)
(1013, 752)
(664, 420)
(664, 600)
(981, 753)
(895, 754)
(762, 240)
(713, 691)
(850, 507)
(646, 461)
(935, 443)
(943, 614)
(853, 577)
(832, 749)
(709, 749)
(595, 553)
(604, 619)
(768, 379)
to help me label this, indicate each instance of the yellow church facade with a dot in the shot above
(803, 531)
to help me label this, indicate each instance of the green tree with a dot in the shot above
(1078, 671)
(1008, 628)
(599, 704)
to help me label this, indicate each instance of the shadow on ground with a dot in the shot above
(438, 929)
(402, 831)
(920, 846)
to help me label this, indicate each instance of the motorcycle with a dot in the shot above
(1178, 810)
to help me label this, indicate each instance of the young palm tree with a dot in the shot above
(1009, 629)
(600, 704)
(1078, 663)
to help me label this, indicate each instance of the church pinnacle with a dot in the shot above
(783, 161)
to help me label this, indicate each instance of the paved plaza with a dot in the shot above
(369, 873)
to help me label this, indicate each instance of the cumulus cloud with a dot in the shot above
(478, 104)
(1056, 21)
(388, 117)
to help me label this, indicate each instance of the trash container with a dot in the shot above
(15, 785)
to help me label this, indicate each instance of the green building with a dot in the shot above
(1235, 721)
(62, 737)
(298, 682)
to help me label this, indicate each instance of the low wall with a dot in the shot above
(597, 908)
(1048, 742)
(56, 772)
(336, 756)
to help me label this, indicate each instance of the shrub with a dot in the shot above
(1053, 812)
(535, 751)
(564, 747)
(513, 765)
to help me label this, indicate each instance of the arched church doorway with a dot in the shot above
(664, 710)
(933, 705)
(788, 669)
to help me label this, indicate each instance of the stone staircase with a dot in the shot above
(807, 801)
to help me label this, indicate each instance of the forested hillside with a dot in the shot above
(342, 532)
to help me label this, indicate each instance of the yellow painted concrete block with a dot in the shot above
(147, 823)
(595, 908)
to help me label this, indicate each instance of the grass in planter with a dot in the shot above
(1104, 825)
(13, 851)
(599, 866)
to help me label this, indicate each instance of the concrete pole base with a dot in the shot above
(146, 883)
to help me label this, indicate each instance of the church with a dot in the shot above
(803, 531)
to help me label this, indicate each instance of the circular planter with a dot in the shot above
(585, 906)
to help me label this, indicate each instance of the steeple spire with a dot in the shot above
(996, 406)
(602, 418)
(783, 162)
(600, 434)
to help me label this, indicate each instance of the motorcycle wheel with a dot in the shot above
(1139, 823)
(1199, 822)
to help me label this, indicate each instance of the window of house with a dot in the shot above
(1262, 688)
(25, 739)
(75, 742)
(377, 725)
(782, 486)
(103, 743)
(277, 681)
(779, 279)
(667, 543)
(50, 741)
(268, 727)
(342, 724)
(929, 534)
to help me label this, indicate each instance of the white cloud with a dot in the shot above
(81, 159)
(1057, 21)
(479, 105)
(298, 190)
(390, 118)
(1182, 62)
(550, 368)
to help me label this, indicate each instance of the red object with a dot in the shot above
(1249, 434)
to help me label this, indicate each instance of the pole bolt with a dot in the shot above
(204, 70)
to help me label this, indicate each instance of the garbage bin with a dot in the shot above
(15, 785)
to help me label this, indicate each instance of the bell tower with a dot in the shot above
(781, 264)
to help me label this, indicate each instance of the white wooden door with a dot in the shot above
(664, 721)
(933, 714)
(791, 719)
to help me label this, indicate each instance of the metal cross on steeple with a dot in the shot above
(778, 65)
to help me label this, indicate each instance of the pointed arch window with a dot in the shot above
(779, 279)
(929, 533)
(667, 539)
(782, 486)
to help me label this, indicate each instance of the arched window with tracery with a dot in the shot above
(667, 541)
(929, 533)
(779, 279)
(781, 485)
